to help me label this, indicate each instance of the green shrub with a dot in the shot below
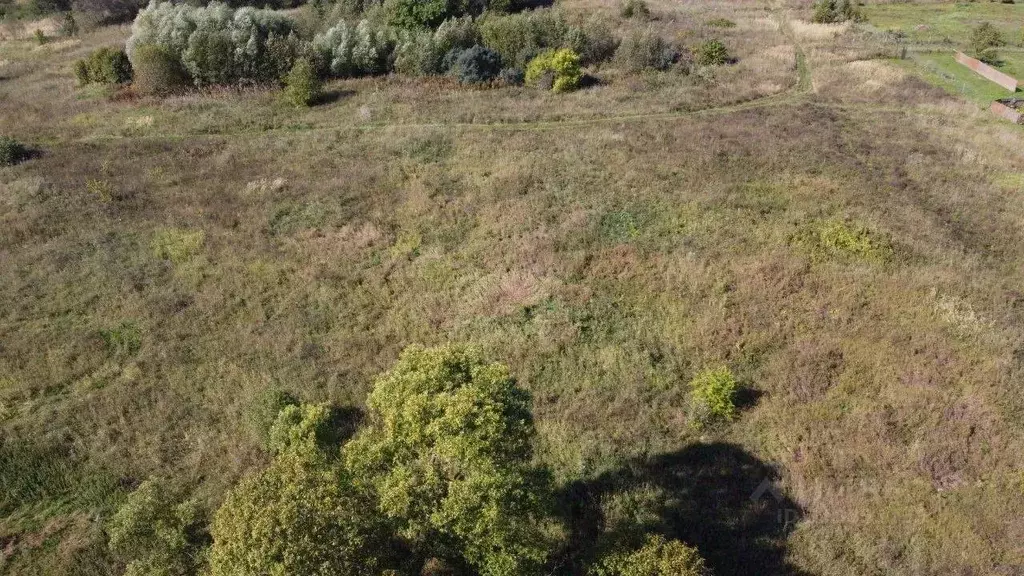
(711, 394)
(301, 515)
(657, 557)
(423, 52)
(122, 341)
(302, 87)
(711, 53)
(643, 50)
(361, 50)
(835, 11)
(11, 151)
(261, 415)
(40, 37)
(983, 43)
(156, 71)
(104, 66)
(476, 65)
(512, 76)
(635, 9)
(156, 533)
(448, 453)
(68, 25)
(561, 66)
(518, 38)
(721, 23)
(418, 13)
(597, 43)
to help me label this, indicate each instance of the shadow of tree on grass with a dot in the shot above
(711, 496)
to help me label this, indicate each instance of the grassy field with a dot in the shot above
(840, 233)
(947, 23)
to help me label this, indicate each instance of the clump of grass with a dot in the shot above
(635, 9)
(711, 396)
(177, 245)
(123, 340)
(838, 239)
(721, 23)
(643, 50)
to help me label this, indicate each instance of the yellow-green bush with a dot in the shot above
(711, 396)
(301, 515)
(563, 66)
(448, 452)
(836, 238)
(657, 557)
(302, 87)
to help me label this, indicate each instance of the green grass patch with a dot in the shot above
(836, 239)
(947, 23)
(177, 245)
(943, 71)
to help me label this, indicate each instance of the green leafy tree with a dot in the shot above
(300, 515)
(835, 11)
(156, 534)
(302, 87)
(447, 452)
(984, 41)
(657, 557)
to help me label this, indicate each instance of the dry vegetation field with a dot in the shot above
(845, 236)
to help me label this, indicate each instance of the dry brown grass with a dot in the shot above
(605, 262)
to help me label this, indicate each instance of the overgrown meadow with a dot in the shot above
(813, 216)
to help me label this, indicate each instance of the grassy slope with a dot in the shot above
(165, 263)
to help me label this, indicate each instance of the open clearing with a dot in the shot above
(836, 228)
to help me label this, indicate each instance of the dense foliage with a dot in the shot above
(560, 67)
(298, 516)
(347, 50)
(711, 53)
(518, 38)
(302, 86)
(476, 65)
(156, 71)
(448, 453)
(835, 11)
(11, 151)
(218, 45)
(104, 66)
(657, 557)
(157, 534)
(984, 40)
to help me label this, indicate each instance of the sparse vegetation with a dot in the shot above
(643, 50)
(204, 290)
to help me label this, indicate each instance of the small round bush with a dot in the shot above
(561, 67)
(635, 9)
(104, 66)
(711, 53)
(657, 557)
(302, 87)
(476, 65)
(983, 43)
(512, 76)
(157, 71)
(711, 394)
(11, 151)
